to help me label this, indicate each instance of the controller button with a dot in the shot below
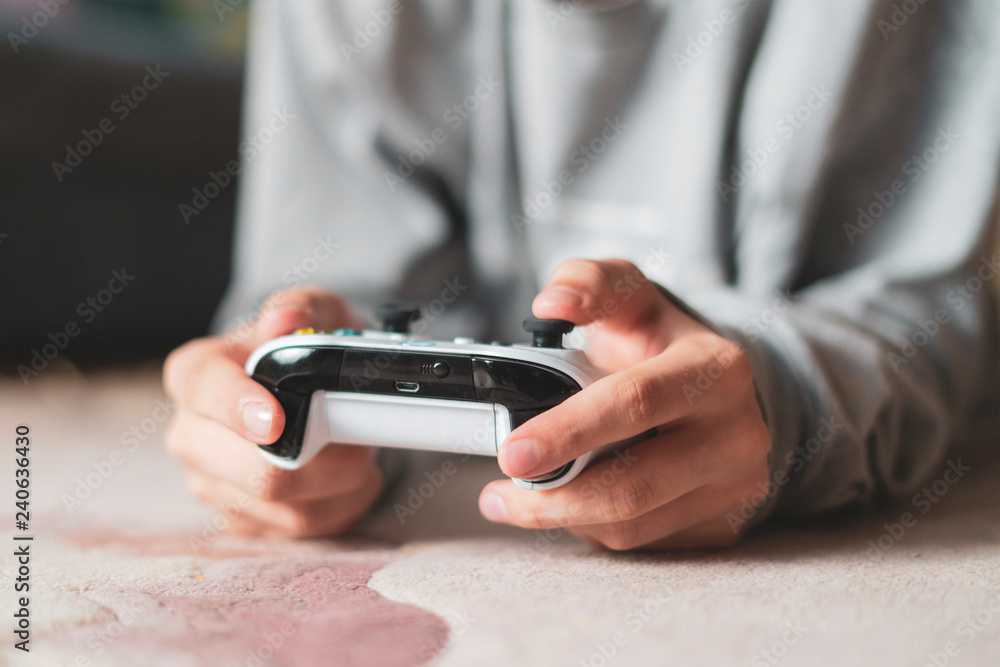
(305, 331)
(464, 340)
(547, 333)
(345, 332)
(440, 369)
(396, 319)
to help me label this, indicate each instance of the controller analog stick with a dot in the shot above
(396, 318)
(547, 333)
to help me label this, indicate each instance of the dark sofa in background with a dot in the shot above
(64, 234)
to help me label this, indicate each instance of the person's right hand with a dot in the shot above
(222, 415)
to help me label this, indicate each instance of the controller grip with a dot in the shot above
(288, 446)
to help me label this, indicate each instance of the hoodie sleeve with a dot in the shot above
(885, 351)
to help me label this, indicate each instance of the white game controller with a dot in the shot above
(389, 389)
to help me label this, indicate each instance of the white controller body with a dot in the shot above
(411, 421)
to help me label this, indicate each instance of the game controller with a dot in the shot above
(389, 389)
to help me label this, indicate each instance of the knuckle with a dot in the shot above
(753, 445)
(298, 522)
(371, 485)
(629, 498)
(348, 468)
(636, 399)
(735, 362)
(303, 520)
(588, 272)
(173, 370)
(172, 439)
(534, 516)
(176, 439)
(200, 488)
(190, 383)
(323, 300)
(276, 484)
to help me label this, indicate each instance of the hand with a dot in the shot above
(673, 490)
(222, 415)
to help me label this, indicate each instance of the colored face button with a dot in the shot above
(307, 330)
(345, 332)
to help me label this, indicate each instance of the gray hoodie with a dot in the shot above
(817, 180)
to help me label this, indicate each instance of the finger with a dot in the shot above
(616, 407)
(615, 297)
(704, 504)
(714, 534)
(310, 518)
(207, 376)
(649, 475)
(209, 447)
(202, 377)
(287, 311)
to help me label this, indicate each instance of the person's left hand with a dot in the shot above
(673, 490)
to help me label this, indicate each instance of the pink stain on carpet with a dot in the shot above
(293, 604)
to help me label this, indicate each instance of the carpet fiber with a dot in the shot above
(128, 569)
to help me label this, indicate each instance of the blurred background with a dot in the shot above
(111, 113)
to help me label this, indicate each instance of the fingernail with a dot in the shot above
(558, 295)
(257, 418)
(520, 457)
(491, 505)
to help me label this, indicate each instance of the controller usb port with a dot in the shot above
(407, 387)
